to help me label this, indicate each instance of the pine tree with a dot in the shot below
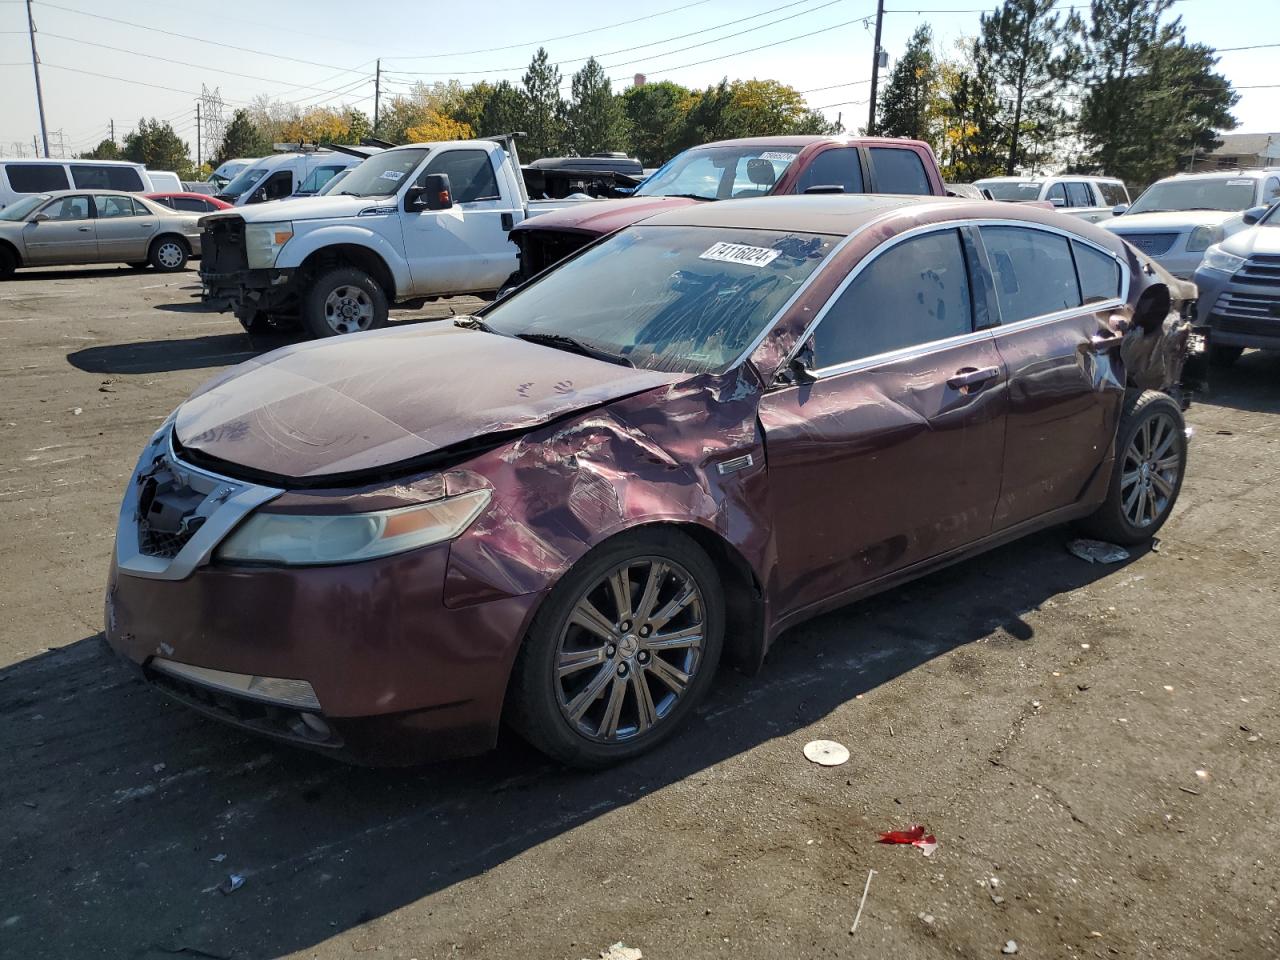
(1029, 54)
(972, 136)
(597, 122)
(546, 108)
(907, 104)
(505, 111)
(241, 139)
(157, 145)
(106, 150)
(656, 113)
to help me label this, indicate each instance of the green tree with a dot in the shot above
(597, 120)
(907, 103)
(359, 126)
(971, 138)
(157, 145)
(767, 108)
(1027, 51)
(106, 150)
(546, 108)
(242, 138)
(506, 110)
(656, 113)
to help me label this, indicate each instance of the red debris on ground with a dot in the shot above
(913, 835)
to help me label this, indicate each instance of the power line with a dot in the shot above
(776, 43)
(1257, 46)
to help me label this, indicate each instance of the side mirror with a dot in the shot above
(1254, 214)
(40, 218)
(435, 193)
(1118, 209)
(1057, 201)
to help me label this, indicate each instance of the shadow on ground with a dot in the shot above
(1251, 383)
(157, 356)
(116, 802)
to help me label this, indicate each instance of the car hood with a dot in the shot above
(359, 404)
(1167, 221)
(603, 216)
(327, 207)
(1246, 243)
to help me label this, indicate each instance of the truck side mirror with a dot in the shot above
(1254, 214)
(1057, 201)
(1118, 209)
(434, 194)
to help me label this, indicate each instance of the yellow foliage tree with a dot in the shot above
(434, 126)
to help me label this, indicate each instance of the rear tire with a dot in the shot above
(1151, 460)
(635, 670)
(1221, 355)
(8, 263)
(344, 300)
(169, 254)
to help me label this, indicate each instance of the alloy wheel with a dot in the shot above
(630, 649)
(348, 309)
(169, 254)
(1149, 475)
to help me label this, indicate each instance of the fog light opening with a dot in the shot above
(310, 727)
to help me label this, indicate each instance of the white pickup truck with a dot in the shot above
(411, 223)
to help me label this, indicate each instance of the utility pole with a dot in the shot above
(199, 157)
(377, 90)
(35, 65)
(113, 130)
(35, 146)
(875, 69)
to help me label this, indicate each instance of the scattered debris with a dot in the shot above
(1096, 551)
(1194, 793)
(926, 918)
(1010, 946)
(1224, 433)
(828, 753)
(620, 951)
(913, 835)
(862, 903)
(1252, 738)
(1168, 688)
(32, 803)
(218, 859)
(157, 767)
(77, 411)
(1203, 775)
(233, 883)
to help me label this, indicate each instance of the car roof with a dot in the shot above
(59, 162)
(835, 214)
(1252, 173)
(1049, 176)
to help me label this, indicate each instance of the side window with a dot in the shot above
(113, 206)
(1271, 191)
(68, 208)
(1032, 272)
(1114, 194)
(470, 175)
(899, 171)
(36, 177)
(279, 184)
(95, 176)
(1099, 273)
(1079, 195)
(915, 292)
(166, 201)
(838, 167)
(1057, 192)
(189, 205)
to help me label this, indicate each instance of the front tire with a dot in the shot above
(1151, 460)
(8, 263)
(622, 650)
(344, 300)
(169, 254)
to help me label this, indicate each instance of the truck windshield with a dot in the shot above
(382, 174)
(1011, 189)
(719, 173)
(682, 299)
(1216, 193)
(243, 182)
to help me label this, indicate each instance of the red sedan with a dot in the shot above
(190, 202)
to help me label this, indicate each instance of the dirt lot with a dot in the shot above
(1103, 741)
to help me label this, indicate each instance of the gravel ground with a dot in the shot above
(1095, 748)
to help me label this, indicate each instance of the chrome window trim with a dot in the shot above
(974, 336)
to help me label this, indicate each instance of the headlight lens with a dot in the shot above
(1215, 258)
(309, 540)
(263, 242)
(1201, 237)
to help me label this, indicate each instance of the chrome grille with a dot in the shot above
(1262, 269)
(1152, 244)
(1247, 306)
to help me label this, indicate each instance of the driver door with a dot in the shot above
(69, 235)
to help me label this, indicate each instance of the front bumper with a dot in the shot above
(1238, 314)
(245, 292)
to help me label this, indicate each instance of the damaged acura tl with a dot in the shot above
(563, 513)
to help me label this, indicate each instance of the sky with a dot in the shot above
(118, 60)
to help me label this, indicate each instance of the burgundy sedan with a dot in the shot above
(190, 202)
(696, 433)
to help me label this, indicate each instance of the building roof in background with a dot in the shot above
(1247, 145)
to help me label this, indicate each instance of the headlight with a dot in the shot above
(307, 540)
(263, 241)
(1201, 237)
(1215, 258)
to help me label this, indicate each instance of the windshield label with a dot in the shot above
(777, 155)
(1239, 183)
(392, 174)
(739, 253)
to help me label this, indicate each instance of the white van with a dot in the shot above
(281, 175)
(230, 170)
(18, 178)
(1089, 198)
(165, 181)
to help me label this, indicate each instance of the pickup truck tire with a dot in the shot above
(168, 253)
(344, 300)
(8, 263)
(1150, 462)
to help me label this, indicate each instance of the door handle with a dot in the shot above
(84, 229)
(967, 377)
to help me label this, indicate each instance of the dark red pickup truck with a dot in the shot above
(751, 167)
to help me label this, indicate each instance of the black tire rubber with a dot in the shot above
(1109, 522)
(1222, 355)
(8, 263)
(259, 322)
(153, 254)
(313, 319)
(139, 264)
(532, 710)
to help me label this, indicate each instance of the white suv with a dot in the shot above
(1178, 218)
(1089, 198)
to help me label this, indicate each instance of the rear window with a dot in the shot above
(189, 204)
(1012, 189)
(1114, 194)
(1079, 194)
(95, 176)
(36, 177)
(899, 171)
(1099, 273)
(838, 167)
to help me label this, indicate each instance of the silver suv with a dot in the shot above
(1178, 218)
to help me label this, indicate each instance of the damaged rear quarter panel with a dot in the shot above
(560, 490)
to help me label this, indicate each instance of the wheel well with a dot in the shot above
(352, 255)
(171, 236)
(10, 249)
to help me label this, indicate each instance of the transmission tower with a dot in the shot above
(212, 120)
